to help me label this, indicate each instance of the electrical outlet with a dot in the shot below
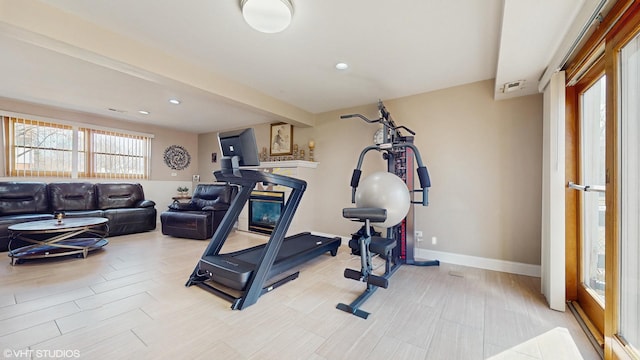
(434, 240)
(418, 234)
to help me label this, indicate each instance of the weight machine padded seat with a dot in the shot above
(378, 245)
(382, 246)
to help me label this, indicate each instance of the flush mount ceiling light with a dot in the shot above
(174, 101)
(342, 66)
(144, 112)
(267, 16)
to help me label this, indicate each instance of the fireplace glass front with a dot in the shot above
(265, 208)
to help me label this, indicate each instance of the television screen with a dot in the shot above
(238, 148)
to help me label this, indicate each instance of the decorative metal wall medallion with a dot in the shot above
(177, 157)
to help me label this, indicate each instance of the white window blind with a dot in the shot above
(42, 148)
(118, 155)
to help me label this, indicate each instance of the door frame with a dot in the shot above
(619, 26)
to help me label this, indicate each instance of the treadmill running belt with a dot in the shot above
(235, 269)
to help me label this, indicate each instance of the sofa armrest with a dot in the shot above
(216, 207)
(146, 204)
(178, 206)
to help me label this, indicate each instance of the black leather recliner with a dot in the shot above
(201, 216)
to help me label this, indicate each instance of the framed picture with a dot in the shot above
(281, 139)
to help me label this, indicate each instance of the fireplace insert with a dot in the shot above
(265, 208)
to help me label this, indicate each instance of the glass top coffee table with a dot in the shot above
(49, 238)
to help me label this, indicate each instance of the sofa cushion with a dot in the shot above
(23, 198)
(70, 196)
(119, 195)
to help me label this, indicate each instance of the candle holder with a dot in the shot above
(295, 151)
(312, 146)
(59, 217)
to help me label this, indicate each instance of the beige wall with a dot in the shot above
(484, 158)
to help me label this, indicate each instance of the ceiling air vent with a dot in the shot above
(513, 86)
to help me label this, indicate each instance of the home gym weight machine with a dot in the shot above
(397, 248)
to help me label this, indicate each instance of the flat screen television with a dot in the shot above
(238, 148)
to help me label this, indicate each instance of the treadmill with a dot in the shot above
(241, 277)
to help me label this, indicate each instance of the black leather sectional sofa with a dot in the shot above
(122, 203)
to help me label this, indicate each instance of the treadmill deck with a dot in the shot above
(234, 269)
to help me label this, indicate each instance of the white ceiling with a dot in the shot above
(228, 75)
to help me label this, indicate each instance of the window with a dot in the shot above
(39, 148)
(593, 204)
(114, 153)
(47, 148)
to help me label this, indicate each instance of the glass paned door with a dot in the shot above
(629, 251)
(590, 221)
(593, 208)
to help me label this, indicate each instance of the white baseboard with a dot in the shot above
(465, 260)
(480, 262)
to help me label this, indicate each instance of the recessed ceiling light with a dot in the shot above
(144, 112)
(174, 101)
(342, 66)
